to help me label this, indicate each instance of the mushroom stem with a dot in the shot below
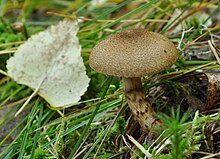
(138, 104)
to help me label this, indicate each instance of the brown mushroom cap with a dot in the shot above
(133, 53)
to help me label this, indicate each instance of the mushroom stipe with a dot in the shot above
(132, 54)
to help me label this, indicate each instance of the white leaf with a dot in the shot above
(50, 61)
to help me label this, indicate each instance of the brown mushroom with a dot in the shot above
(132, 54)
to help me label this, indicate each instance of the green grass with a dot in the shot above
(79, 130)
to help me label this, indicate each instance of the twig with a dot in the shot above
(214, 51)
(3, 72)
(78, 153)
(29, 99)
(109, 128)
(193, 69)
(190, 13)
(73, 16)
(129, 146)
(107, 21)
(140, 147)
(14, 103)
(166, 142)
(26, 102)
(211, 155)
(117, 155)
(125, 21)
(7, 51)
(84, 149)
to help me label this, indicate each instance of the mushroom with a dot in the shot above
(132, 54)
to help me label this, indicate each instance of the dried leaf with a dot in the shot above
(213, 76)
(50, 61)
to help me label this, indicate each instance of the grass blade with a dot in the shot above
(106, 86)
(25, 136)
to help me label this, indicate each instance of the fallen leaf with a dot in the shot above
(213, 91)
(50, 62)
